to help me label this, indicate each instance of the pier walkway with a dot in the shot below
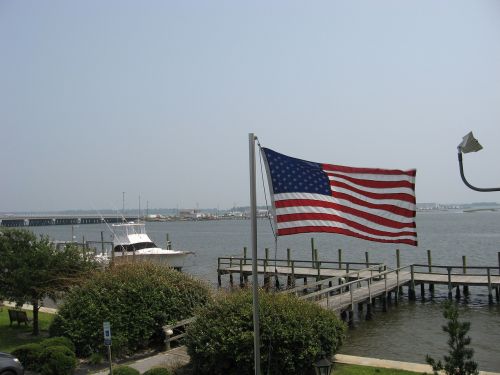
(343, 286)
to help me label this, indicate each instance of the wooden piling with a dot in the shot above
(398, 265)
(429, 262)
(422, 291)
(367, 259)
(450, 294)
(288, 257)
(411, 288)
(369, 314)
(464, 270)
(219, 278)
(340, 259)
(245, 254)
(102, 243)
(490, 294)
(242, 283)
(312, 252)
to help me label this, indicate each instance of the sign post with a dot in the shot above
(107, 341)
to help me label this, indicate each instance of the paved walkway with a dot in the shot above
(179, 356)
(26, 306)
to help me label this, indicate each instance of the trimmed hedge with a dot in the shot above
(158, 371)
(33, 356)
(293, 334)
(125, 370)
(136, 298)
(58, 341)
(57, 360)
(29, 355)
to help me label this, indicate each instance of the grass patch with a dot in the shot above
(341, 369)
(13, 336)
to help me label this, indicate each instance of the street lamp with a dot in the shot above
(470, 144)
(323, 366)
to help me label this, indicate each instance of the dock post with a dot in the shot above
(466, 287)
(367, 259)
(242, 284)
(384, 303)
(411, 291)
(398, 265)
(293, 273)
(450, 288)
(396, 293)
(351, 318)
(429, 262)
(422, 291)
(369, 314)
(219, 278)
(312, 252)
(490, 294)
(288, 257)
(102, 242)
(343, 315)
(245, 254)
(340, 259)
(318, 276)
(316, 258)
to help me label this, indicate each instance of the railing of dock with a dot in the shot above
(175, 332)
(268, 264)
(337, 296)
(456, 275)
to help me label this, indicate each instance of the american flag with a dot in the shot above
(368, 203)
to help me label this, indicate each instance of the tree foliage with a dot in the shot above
(136, 298)
(459, 361)
(31, 268)
(293, 333)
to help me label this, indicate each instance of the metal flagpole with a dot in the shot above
(255, 279)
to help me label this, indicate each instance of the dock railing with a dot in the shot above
(175, 332)
(459, 275)
(226, 263)
(339, 296)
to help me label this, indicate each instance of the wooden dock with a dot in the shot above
(344, 286)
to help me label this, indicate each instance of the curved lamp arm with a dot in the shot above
(465, 180)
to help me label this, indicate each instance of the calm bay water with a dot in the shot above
(407, 332)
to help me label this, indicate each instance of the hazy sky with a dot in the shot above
(157, 97)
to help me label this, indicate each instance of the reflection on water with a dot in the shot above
(407, 332)
(410, 330)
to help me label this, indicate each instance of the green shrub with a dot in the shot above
(57, 360)
(136, 298)
(58, 341)
(29, 355)
(96, 359)
(292, 332)
(125, 370)
(158, 371)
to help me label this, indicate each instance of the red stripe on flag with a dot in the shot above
(309, 229)
(378, 196)
(341, 168)
(375, 184)
(338, 219)
(346, 209)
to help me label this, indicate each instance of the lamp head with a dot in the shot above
(469, 144)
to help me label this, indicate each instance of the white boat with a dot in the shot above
(131, 240)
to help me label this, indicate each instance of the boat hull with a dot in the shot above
(172, 260)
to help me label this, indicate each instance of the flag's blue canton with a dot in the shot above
(291, 175)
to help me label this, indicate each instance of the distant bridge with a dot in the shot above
(46, 220)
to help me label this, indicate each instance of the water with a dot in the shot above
(407, 332)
